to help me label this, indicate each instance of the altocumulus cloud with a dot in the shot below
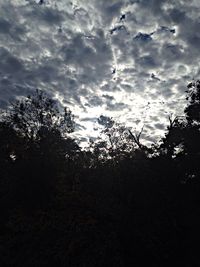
(126, 59)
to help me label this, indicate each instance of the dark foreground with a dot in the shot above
(118, 204)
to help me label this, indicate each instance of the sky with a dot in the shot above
(130, 60)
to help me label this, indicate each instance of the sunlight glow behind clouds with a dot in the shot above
(127, 59)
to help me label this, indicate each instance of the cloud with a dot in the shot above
(129, 59)
(5, 26)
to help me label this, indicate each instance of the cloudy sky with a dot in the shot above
(128, 59)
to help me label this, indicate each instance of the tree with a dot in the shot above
(192, 111)
(192, 130)
(183, 134)
(118, 140)
(28, 115)
(174, 138)
(42, 148)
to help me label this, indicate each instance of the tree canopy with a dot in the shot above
(118, 203)
(30, 115)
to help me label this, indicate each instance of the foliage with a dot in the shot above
(192, 111)
(27, 116)
(117, 204)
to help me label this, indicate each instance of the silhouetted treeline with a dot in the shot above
(118, 203)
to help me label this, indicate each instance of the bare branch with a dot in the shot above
(136, 137)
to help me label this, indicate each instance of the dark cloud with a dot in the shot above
(160, 126)
(5, 26)
(109, 10)
(9, 64)
(95, 101)
(143, 37)
(117, 106)
(108, 97)
(45, 15)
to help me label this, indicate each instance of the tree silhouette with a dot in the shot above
(181, 140)
(40, 148)
(29, 114)
(192, 111)
(119, 203)
(174, 138)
